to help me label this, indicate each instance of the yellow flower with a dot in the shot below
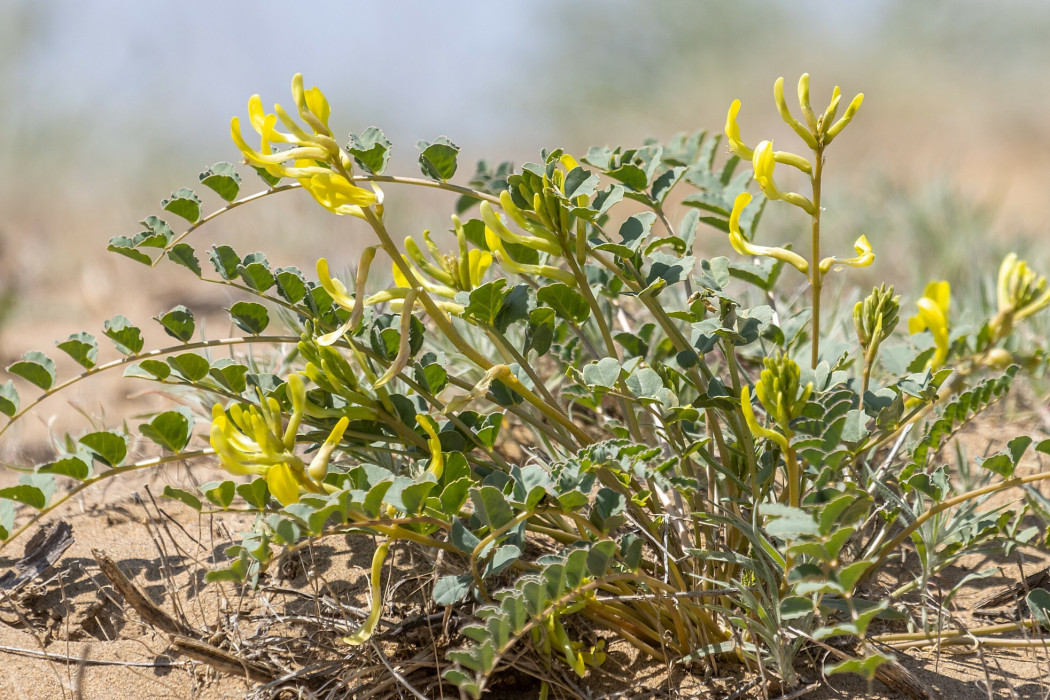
(323, 168)
(933, 316)
(336, 193)
(865, 256)
(764, 160)
(738, 147)
(252, 441)
(745, 247)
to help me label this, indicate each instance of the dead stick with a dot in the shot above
(221, 660)
(146, 609)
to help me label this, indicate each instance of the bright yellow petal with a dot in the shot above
(738, 147)
(282, 484)
(479, 261)
(368, 627)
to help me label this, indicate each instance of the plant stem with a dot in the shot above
(815, 274)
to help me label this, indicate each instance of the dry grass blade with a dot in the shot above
(136, 599)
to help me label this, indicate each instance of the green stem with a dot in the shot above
(815, 274)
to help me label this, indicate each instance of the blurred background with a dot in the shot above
(109, 106)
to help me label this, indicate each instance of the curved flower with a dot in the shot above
(738, 147)
(252, 441)
(933, 316)
(865, 256)
(764, 161)
(745, 247)
(323, 168)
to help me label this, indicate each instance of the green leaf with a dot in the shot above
(157, 234)
(1039, 603)
(171, 430)
(184, 203)
(126, 337)
(219, 492)
(636, 229)
(566, 302)
(486, 301)
(630, 175)
(82, 347)
(7, 519)
(464, 540)
(290, 284)
(605, 373)
(190, 365)
(73, 467)
(225, 260)
(8, 399)
(178, 323)
(449, 590)
(184, 496)
(645, 383)
(849, 575)
(794, 607)
(24, 493)
(255, 271)
(250, 317)
(107, 447)
(183, 254)
(223, 180)
(540, 331)
(865, 667)
(371, 150)
(1000, 464)
(126, 247)
(229, 374)
(490, 507)
(35, 367)
(515, 308)
(265, 176)
(438, 160)
(256, 493)
(154, 368)
(580, 182)
(502, 558)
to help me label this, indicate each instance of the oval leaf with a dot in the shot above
(37, 368)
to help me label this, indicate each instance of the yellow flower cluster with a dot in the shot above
(252, 441)
(323, 168)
